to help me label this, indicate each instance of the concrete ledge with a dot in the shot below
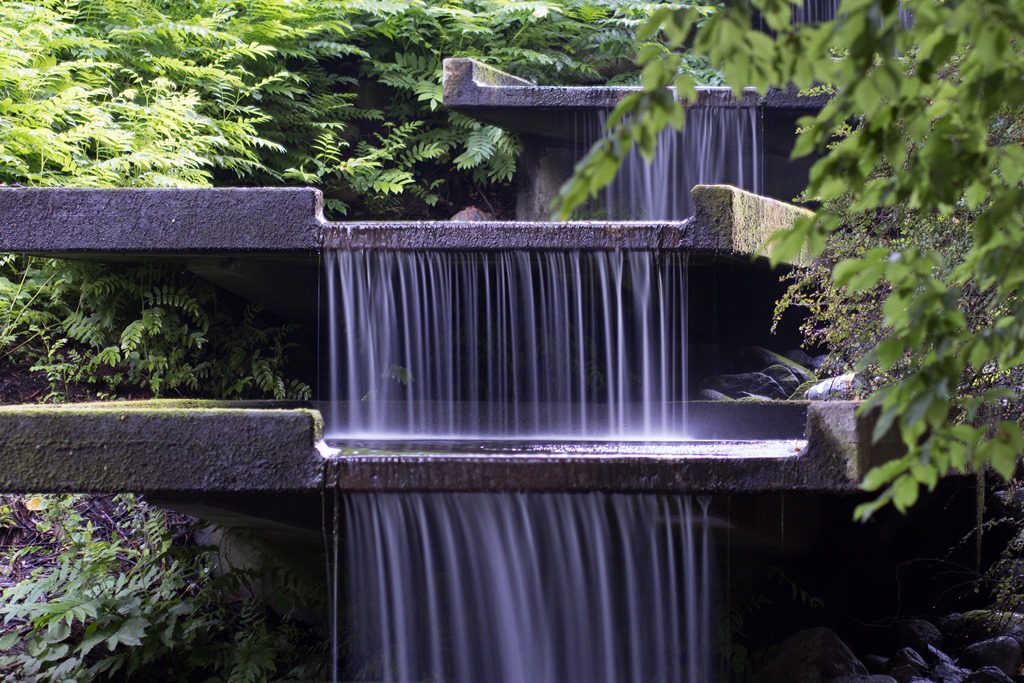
(160, 221)
(184, 450)
(265, 223)
(158, 447)
(742, 221)
(505, 235)
(469, 85)
(549, 112)
(727, 220)
(833, 459)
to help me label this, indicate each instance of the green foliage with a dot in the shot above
(148, 329)
(935, 107)
(121, 601)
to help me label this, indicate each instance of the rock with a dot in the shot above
(945, 671)
(961, 630)
(907, 658)
(988, 674)
(471, 214)
(904, 673)
(1003, 503)
(914, 633)
(801, 357)
(711, 395)
(832, 388)
(759, 358)
(874, 663)
(934, 656)
(816, 655)
(744, 385)
(785, 376)
(863, 678)
(1003, 653)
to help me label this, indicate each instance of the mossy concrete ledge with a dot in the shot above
(741, 222)
(161, 448)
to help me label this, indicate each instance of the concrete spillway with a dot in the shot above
(238, 236)
(183, 448)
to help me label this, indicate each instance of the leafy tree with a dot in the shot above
(924, 121)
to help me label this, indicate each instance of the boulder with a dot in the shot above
(815, 655)
(961, 630)
(785, 376)
(711, 395)
(841, 387)
(471, 214)
(759, 358)
(875, 663)
(988, 674)
(801, 357)
(918, 634)
(906, 659)
(945, 671)
(1005, 503)
(1003, 653)
(747, 384)
(904, 673)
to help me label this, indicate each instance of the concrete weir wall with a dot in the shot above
(287, 223)
(550, 119)
(202, 456)
(192, 448)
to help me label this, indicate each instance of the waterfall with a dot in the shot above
(526, 588)
(718, 145)
(513, 344)
(817, 11)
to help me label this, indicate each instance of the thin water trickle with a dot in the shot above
(515, 344)
(526, 588)
(718, 145)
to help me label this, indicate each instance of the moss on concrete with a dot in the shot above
(157, 446)
(742, 221)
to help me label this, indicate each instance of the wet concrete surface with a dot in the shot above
(429, 449)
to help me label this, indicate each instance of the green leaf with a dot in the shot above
(130, 632)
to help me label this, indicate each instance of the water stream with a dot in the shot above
(507, 345)
(525, 588)
(718, 145)
(482, 346)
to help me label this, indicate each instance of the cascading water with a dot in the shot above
(526, 588)
(718, 145)
(515, 344)
(816, 11)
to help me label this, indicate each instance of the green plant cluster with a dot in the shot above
(140, 330)
(928, 114)
(341, 94)
(118, 599)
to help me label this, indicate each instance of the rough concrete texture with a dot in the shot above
(158, 447)
(742, 221)
(185, 449)
(548, 113)
(838, 433)
(153, 221)
(832, 460)
(505, 235)
(468, 84)
(727, 220)
(232, 221)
